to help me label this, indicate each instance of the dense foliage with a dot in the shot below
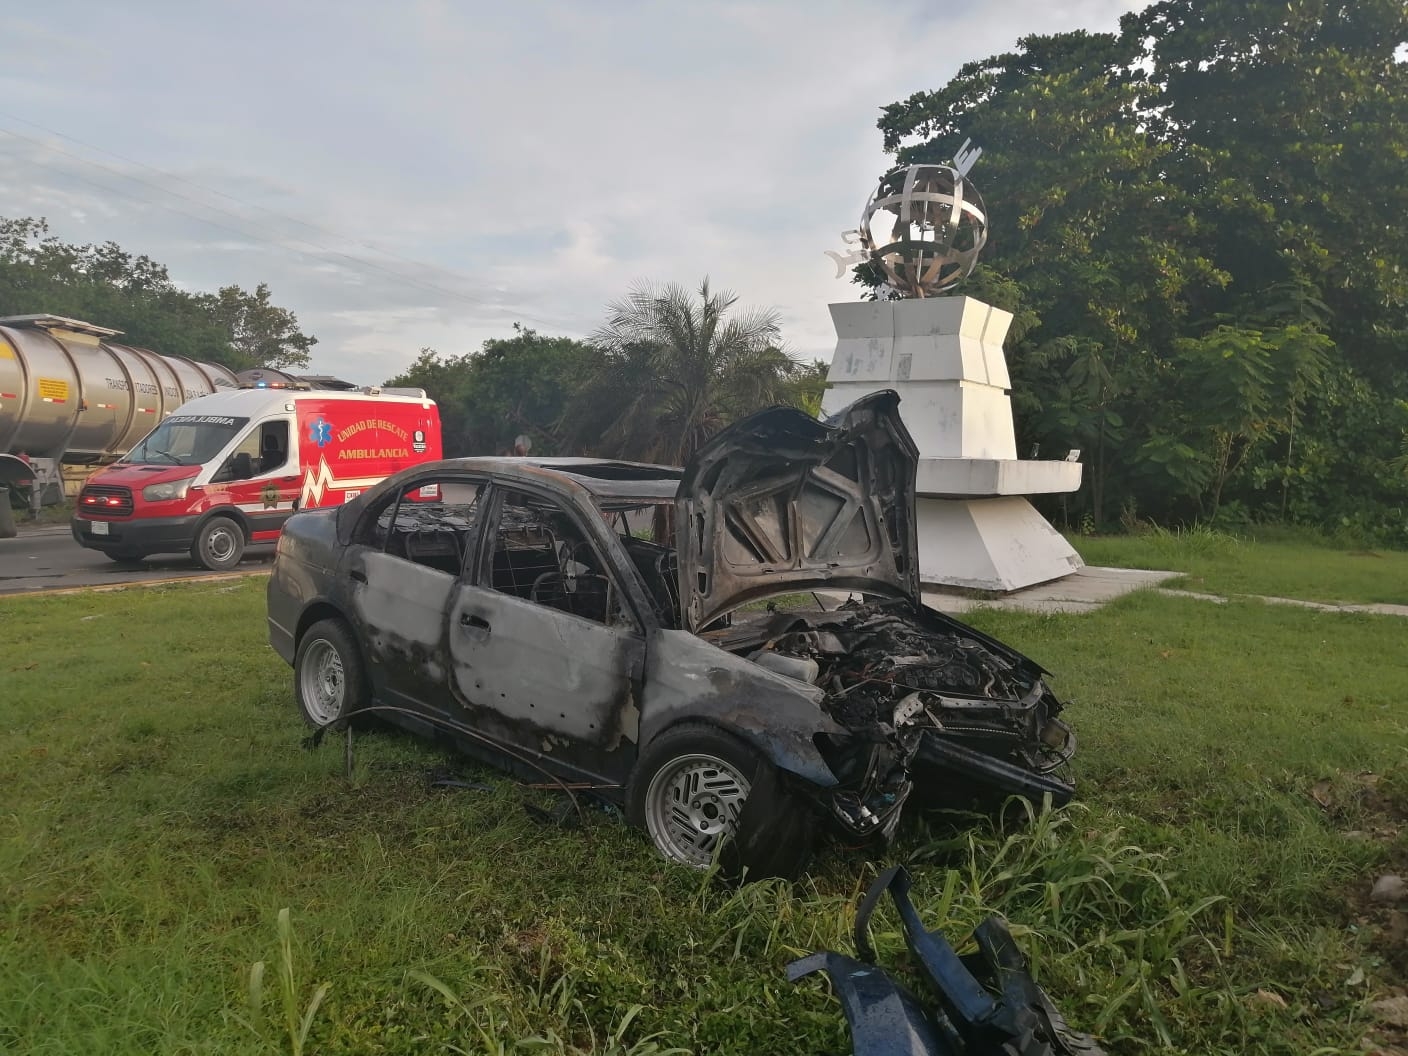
(1197, 220)
(665, 372)
(672, 369)
(107, 286)
(517, 386)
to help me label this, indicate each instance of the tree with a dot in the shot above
(1200, 214)
(807, 386)
(1082, 222)
(259, 331)
(672, 368)
(105, 285)
(511, 386)
(1289, 123)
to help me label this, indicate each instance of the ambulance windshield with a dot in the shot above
(186, 440)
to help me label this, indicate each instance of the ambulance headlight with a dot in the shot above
(172, 489)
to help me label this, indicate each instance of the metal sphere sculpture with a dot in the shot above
(924, 227)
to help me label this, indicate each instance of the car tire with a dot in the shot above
(219, 544)
(701, 794)
(329, 682)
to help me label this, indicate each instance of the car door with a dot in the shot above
(403, 569)
(545, 648)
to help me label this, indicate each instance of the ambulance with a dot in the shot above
(228, 469)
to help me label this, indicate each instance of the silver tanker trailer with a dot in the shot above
(73, 399)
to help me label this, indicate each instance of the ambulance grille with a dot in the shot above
(98, 500)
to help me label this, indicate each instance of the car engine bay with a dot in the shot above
(894, 683)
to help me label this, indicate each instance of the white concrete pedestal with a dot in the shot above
(944, 356)
(990, 544)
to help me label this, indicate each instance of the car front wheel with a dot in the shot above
(701, 794)
(328, 681)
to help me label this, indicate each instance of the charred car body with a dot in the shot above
(604, 623)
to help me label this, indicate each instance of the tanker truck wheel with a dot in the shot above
(219, 545)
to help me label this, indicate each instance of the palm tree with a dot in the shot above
(673, 369)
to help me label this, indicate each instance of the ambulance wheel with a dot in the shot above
(219, 545)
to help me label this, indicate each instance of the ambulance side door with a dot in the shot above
(260, 476)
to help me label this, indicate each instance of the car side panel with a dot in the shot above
(687, 679)
(304, 574)
(568, 677)
(399, 611)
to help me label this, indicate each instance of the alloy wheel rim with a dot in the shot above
(323, 682)
(692, 805)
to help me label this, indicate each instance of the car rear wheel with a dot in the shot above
(219, 545)
(328, 681)
(702, 794)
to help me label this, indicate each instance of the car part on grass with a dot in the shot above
(444, 779)
(886, 1019)
(988, 1003)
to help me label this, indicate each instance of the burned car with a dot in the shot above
(733, 649)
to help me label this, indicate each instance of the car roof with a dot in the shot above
(610, 479)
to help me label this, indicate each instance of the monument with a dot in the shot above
(924, 227)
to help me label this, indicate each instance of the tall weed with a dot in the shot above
(1195, 540)
(297, 1022)
(1094, 910)
(490, 1033)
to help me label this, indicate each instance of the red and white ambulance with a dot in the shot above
(228, 469)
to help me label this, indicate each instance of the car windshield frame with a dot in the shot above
(186, 440)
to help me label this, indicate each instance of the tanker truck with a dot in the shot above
(72, 399)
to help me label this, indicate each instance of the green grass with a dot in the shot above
(1298, 567)
(159, 814)
(60, 513)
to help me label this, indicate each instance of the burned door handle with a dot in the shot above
(358, 575)
(477, 623)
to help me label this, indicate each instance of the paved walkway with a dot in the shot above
(1320, 606)
(1082, 591)
(1092, 587)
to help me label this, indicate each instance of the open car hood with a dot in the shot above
(781, 501)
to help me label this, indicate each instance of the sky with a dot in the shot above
(427, 173)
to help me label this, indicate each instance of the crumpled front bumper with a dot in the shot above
(930, 763)
(941, 759)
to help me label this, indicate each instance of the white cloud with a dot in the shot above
(467, 165)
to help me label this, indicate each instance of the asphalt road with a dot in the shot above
(47, 558)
